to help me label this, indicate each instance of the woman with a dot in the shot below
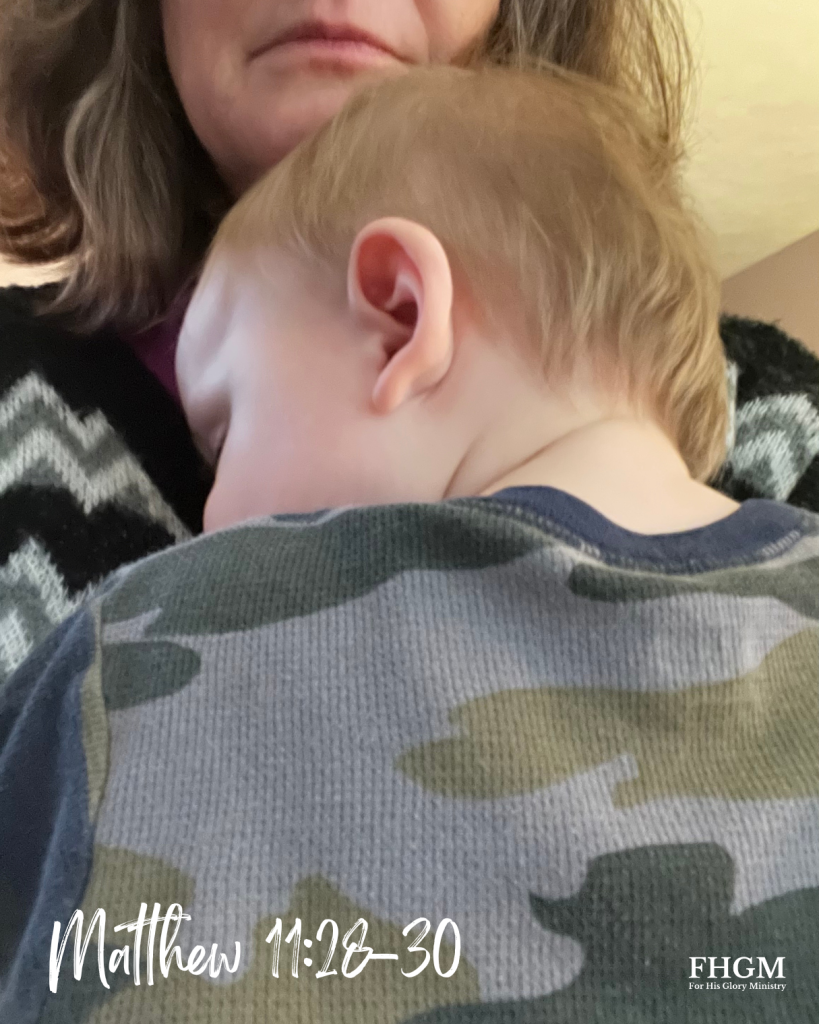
(128, 128)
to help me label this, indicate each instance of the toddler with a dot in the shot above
(485, 709)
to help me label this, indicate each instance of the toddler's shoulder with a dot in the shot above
(282, 567)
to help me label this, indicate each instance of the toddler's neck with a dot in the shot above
(626, 469)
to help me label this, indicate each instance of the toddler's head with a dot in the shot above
(393, 308)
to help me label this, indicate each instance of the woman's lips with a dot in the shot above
(327, 43)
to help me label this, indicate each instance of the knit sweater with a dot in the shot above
(587, 758)
(97, 468)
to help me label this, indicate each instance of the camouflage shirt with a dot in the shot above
(489, 761)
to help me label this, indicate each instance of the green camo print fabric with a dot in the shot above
(597, 768)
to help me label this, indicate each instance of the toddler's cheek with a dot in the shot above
(215, 516)
(227, 502)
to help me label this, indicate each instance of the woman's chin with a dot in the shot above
(298, 106)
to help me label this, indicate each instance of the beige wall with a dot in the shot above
(15, 273)
(753, 138)
(783, 287)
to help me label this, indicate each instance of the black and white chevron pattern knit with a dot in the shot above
(775, 449)
(97, 467)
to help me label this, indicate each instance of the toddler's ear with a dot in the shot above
(399, 284)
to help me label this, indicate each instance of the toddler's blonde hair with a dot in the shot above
(555, 201)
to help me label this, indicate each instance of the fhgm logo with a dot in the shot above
(722, 971)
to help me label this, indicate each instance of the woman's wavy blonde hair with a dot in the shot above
(99, 165)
